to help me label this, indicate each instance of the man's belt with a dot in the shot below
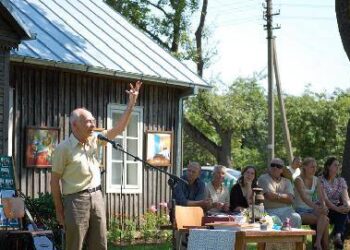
(90, 190)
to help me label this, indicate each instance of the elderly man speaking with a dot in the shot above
(76, 178)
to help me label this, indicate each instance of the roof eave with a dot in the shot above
(107, 72)
(23, 32)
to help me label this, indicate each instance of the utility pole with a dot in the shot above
(287, 141)
(271, 117)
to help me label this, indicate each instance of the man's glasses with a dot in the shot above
(276, 166)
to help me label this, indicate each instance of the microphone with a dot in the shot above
(103, 138)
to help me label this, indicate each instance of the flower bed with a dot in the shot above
(125, 231)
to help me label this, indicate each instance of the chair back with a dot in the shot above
(188, 216)
(13, 207)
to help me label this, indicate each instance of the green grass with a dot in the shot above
(163, 246)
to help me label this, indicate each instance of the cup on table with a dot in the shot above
(239, 219)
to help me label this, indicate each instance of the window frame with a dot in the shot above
(116, 188)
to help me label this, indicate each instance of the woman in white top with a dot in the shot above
(309, 202)
(217, 192)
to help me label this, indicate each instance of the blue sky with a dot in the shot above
(308, 44)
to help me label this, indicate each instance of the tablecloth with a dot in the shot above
(211, 239)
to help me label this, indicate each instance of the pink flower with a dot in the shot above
(163, 205)
(153, 209)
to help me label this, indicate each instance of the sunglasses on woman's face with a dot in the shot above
(276, 166)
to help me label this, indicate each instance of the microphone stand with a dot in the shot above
(172, 182)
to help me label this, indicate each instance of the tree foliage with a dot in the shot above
(317, 124)
(169, 22)
(166, 21)
(227, 120)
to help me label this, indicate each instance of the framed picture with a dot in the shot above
(159, 149)
(40, 144)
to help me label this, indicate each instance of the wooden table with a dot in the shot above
(297, 236)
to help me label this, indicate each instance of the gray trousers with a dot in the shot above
(85, 218)
(286, 212)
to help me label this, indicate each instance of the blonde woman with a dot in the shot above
(310, 204)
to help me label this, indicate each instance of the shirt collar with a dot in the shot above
(74, 141)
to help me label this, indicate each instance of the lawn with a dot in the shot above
(163, 246)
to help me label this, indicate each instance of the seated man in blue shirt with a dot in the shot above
(192, 194)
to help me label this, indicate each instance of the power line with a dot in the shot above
(308, 17)
(233, 19)
(307, 5)
(242, 21)
(231, 6)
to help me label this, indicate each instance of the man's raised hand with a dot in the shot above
(134, 92)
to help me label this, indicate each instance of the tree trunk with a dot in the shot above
(179, 7)
(199, 34)
(224, 154)
(342, 8)
(221, 153)
(346, 157)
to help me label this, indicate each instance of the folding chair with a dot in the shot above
(185, 219)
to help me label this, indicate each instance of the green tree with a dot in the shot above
(169, 22)
(219, 122)
(317, 124)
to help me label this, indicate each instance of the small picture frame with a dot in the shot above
(159, 148)
(40, 144)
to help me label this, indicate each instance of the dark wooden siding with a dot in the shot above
(44, 97)
(4, 100)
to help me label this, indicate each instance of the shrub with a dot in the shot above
(149, 225)
(43, 211)
(115, 232)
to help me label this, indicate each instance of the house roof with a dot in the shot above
(89, 35)
(17, 26)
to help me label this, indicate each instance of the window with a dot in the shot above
(123, 173)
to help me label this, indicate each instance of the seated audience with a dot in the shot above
(309, 202)
(293, 171)
(217, 192)
(241, 193)
(336, 198)
(279, 194)
(193, 193)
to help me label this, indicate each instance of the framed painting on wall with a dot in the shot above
(159, 149)
(40, 144)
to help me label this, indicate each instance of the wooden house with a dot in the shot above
(59, 55)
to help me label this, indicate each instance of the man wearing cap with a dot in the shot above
(279, 194)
